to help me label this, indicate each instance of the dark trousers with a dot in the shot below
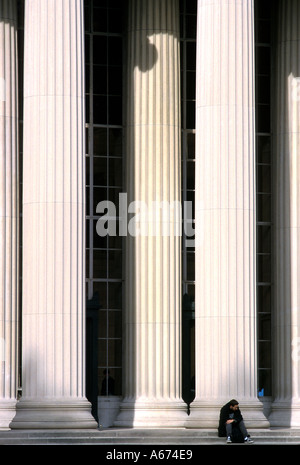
(240, 425)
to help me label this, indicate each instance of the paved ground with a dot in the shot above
(138, 437)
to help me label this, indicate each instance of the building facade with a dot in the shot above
(149, 212)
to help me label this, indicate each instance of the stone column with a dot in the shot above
(9, 211)
(225, 312)
(286, 174)
(53, 352)
(152, 345)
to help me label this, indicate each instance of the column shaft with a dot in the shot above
(153, 246)
(9, 213)
(286, 407)
(53, 335)
(225, 313)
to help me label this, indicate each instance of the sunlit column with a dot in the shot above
(286, 380)
(152, 321)
(53, 326)
(9, 241)
(225, 309)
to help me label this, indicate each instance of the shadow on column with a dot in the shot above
(286, 405)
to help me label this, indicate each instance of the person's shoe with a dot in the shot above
(229, 441)
(248, 440)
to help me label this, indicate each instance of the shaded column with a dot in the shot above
(9, 211)
(286, 175)
(53, 350)
(225, 309)
(152, 321)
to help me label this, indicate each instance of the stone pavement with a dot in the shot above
(124, 436)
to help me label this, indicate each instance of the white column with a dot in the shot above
(286, 407)
(152, 345)
(225, 313)
(53, 331)
(9, 214)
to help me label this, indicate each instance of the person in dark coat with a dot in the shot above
(231, 423)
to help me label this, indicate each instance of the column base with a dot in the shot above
(151, 414)
(7, 413)
(285, 414)
(53, 414)
(206, 414)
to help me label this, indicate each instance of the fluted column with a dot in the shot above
(152, 345)
(225, 312)
(286, 320)
(9, 213)
(53, 352)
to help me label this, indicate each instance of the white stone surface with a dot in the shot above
(152, 323)
(286, 178)
(225, 310)
(9, 211)
(53, 329)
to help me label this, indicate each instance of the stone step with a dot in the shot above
(113, 436)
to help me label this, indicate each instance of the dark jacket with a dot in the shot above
(226, 414)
